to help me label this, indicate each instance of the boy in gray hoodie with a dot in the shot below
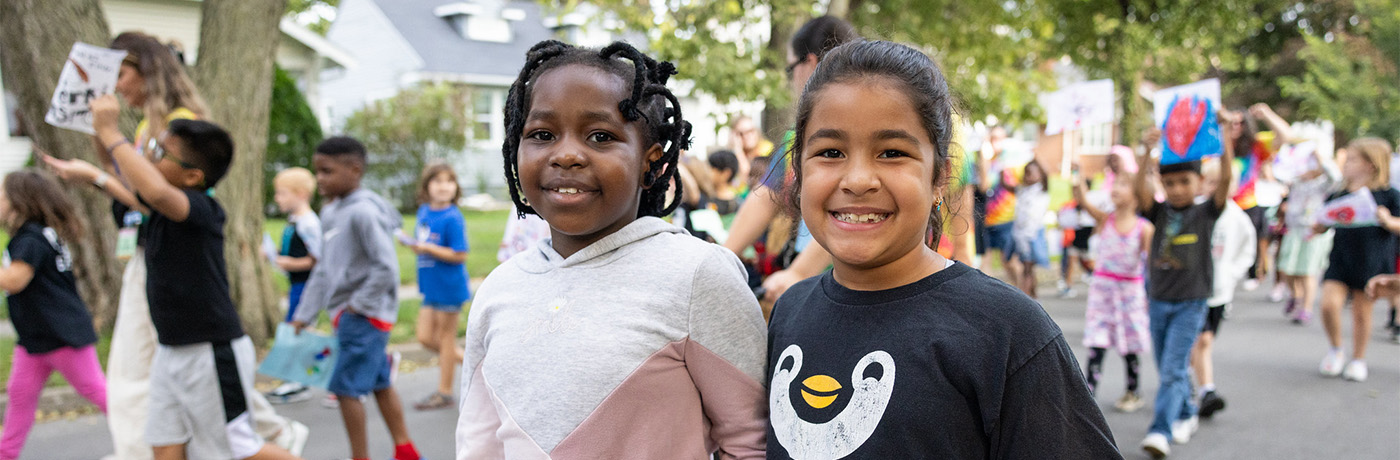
(357, 283)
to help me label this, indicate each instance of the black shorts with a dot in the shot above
(1214, 315)
(1081, 238)
(1259, 216)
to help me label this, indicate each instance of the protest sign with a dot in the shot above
(90, 72)
(1355, 209)
(1079, 105)
(1293, 161)
(1186, 115)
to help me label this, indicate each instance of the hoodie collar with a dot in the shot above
(543, 257)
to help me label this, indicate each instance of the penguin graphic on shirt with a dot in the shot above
(830, 430)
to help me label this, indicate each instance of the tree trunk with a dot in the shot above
(36, 37)
(237, 43)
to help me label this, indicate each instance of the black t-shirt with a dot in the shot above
(1180, 264)
(186, 281)
(956, 365)
(1359, 253)
(47, 314)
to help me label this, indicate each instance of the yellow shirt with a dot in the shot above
(146, 142)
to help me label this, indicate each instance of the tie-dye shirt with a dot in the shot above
(1001, 202)
(1248, 167)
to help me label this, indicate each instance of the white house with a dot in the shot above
(301, 52)
(480, 43)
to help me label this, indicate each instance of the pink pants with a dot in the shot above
(27, 376)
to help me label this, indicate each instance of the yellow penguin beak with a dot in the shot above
(819, 391)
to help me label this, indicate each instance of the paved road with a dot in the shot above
(1279, 407)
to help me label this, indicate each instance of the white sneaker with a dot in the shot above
(1355, 371)
(1250, 284)
(1332, 364)
(330, 402)
(1156, 445)
(293, 438)
(1183, 429)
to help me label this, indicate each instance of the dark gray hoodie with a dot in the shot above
(358, 268)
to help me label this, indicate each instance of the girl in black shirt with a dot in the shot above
(55, 330)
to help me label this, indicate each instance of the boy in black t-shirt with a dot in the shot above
(202, 375)
(1180, 279)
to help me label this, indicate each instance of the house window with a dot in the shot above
(488, 117)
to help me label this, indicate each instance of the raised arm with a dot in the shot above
(80, 171)
(752, 219)
(145, 179)
(1081, 197)
(1282, 132)
(1227, 163)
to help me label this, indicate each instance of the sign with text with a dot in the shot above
(1079, 105)
(90, 72)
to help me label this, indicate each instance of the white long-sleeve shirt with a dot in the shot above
(1233, 246)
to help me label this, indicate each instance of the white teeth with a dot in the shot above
(567, 191)
(860, 218)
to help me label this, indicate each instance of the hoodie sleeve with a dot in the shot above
(370, 298)
(726, 356)
(1245, 247)
(317, 290)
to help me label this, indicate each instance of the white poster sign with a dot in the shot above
(1079, 105)
(90, 72)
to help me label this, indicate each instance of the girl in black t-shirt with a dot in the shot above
(898, 352)
(55, 330)
(1358, 254)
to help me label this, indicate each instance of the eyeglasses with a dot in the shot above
(161, 153)
(791, 67)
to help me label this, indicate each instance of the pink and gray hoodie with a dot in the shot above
(645, 344)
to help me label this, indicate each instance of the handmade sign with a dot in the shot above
(307, 358)
(1355, 209)
(90, 72)
(1293, 161)
(1186, 115)
(1079, 105)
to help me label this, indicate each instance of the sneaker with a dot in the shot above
(1289, 307)
(1211, 403)
(330, 402)
(1302, 318)
(1279, 293)
(1250, 284)
(394, 359)
(1130, 402)
(1183, 429)
(436, 400)
(1332, 364)
(287, 393)
(1355, 371)
(1156, 445)
(1395, 334)
(1068, 293)
(293, 438)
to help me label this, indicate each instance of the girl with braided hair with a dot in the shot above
(619, 336)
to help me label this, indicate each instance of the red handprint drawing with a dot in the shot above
(1183, 123)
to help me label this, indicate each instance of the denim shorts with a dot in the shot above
(444, 308)
(363, 366)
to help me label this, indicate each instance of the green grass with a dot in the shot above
(484, 232)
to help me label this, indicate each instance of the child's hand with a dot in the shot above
(105, 110)
(71, 170)
(1151, 136)
(1260, 110)
(299, 326)
(1383, 215)
(1383, 286)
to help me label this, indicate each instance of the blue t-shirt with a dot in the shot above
(442, 283)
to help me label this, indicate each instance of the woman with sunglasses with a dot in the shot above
(152, 78)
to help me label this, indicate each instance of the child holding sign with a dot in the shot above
(1358, 254)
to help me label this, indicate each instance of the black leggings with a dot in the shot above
(1095, 369)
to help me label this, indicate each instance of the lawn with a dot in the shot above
(484, 231)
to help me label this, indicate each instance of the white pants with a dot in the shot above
(129, 372)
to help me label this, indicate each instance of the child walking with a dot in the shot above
(1359, 254)
(933, 359)
(1028, 230)
(441, 244)
(301, 246)
(1232, 245)
(620, 336)
(1182, 277)
(1116, 315)
(202, 373)
(1303, 254)
(357, 282)
(54, 328)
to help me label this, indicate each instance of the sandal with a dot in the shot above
(436, 400)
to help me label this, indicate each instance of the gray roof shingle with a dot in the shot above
(444, 50)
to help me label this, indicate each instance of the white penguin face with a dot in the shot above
(848, 430)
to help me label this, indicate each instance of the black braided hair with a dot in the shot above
(650, 102)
